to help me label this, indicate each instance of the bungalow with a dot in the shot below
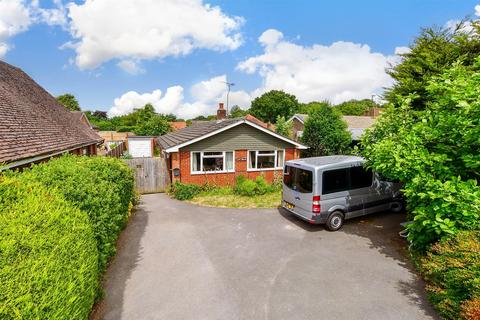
(34, 126)
(356, 125)
(217, 151)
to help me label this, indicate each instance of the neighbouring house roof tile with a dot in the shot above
(32, 122)
(177, 125)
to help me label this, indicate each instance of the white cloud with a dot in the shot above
(131, 67)
(206, 95)
(14, 18)
(52, 16)
(147, 29)
(477, 10)
(338, 72)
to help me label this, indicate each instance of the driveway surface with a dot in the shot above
(180, 261)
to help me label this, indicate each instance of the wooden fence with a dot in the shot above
(151, 174)
(118, 151)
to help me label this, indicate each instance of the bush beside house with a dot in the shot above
(59, 222)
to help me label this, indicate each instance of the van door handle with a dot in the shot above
(297, 198)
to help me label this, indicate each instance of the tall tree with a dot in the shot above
(156, 125)
(283, 127)
(69, 101)
(326, 133)
(237, 112)
(431, 53)
(272, 104)
(356, 107)
(307, 108)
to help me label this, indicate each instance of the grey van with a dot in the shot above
(329, 190)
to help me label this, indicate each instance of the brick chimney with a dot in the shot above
(221, 112)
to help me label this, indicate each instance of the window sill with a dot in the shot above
(266, 169)
(209, 172)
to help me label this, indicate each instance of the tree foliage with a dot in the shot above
(356, 107)
(283, 127)
(69, 101)
(272, 104)
(431, 53)
(156, 125)
(435, 151)
(326, 133)
(237, 112)
(307, 108)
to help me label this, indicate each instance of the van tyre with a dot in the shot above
(335, 221)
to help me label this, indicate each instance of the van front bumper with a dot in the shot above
(313, 219)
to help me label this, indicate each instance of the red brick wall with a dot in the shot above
(223, 179)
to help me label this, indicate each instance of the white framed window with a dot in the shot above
(265, 160)
(212, 162)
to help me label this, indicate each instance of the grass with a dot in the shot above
(225, 198)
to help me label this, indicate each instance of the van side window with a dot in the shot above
(298, 179)
(335, 181)
(360, 177)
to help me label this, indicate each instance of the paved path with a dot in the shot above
(181, 261)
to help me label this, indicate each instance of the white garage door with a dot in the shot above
(140, 148)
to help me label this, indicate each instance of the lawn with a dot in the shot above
(225, 198)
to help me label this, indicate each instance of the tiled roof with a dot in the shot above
(32, 122)
(196, 130)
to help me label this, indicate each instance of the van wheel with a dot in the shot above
(396, 207)
(335, 221)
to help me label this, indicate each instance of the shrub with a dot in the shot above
(453, 269)
(247, 187)
(102, 187)
(48, 254)
(184, 191)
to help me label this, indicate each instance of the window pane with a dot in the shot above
(335, 181)
(265, 162)
(253, 160)
(266, 152)
(196, 161)
(360, 177)
(280, 158)
(229, 160)
(304, 181)
(213, 154)
(288, 176)
(213, 164)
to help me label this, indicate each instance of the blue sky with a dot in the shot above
(297, 54)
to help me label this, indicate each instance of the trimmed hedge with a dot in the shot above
(102, 187)
(48, 254)
(452, 268)
(59, 222)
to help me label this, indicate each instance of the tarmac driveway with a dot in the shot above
(180, 261)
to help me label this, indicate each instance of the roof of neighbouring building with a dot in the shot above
(203, 129)
(177, 125)
(32, 122)
(356, 124)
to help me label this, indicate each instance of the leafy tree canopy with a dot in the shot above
(237, 112)
(283, 127)
(431, 53)
(307, 108)
(69, 101)
(435, 151)
(156, 125)
(356, 107)
(272, 104)
(326, 133)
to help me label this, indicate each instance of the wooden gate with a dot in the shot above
(151, 174)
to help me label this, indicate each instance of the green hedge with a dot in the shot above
(452, 268)
(184, 191)
(59, 222)
(102, 187)
(249, 188)
(48, 254)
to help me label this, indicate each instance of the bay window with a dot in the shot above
(263, 160)
(207, 161)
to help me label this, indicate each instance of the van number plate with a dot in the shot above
(288, 205)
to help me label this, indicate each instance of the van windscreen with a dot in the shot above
(297, 179)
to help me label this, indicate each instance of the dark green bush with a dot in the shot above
(184, 191)
(48, 254)
(452, 267)
(102, 187)
(247, 187)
